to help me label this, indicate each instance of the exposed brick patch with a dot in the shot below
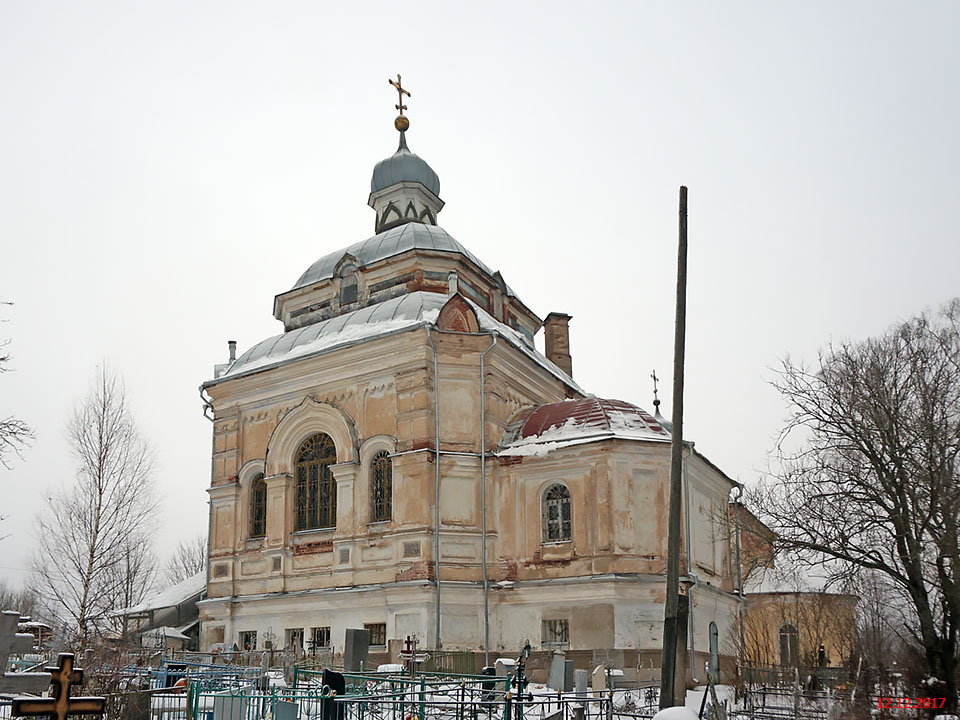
(509, 460)
(510, 569)
(556, 562)
(322, 546)
(422, 570)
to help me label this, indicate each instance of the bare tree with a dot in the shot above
(24, 601)
(132, 578)
(189, 558)
(14, 433)
(872, 480)
(88, 528)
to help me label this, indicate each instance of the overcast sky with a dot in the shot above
(167, 168)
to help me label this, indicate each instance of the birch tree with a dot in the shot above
(88, 528)
(869, 476)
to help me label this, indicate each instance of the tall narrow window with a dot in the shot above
(316, 488)
(348, 284)
(789, 646)
(556, 514)
(381, 487)
(258, 507)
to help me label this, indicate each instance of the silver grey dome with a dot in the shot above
(411, 236)
(404, 166)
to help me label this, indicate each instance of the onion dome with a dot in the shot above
(404, 166)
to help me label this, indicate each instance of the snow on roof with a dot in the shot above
(166, 631)
(538, 431)
(397, 314)
(414, 310)
(178, 594)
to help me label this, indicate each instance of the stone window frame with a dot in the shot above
(369, 450)
(257, 508)
(381, 483)
(545, 538)
(249, 473)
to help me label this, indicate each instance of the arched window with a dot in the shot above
(789, 646)
(258, 507)
(556, 514)
(381, 487)
(316, 488)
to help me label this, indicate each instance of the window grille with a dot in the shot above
(258, 507)
(555, 632)
(381, 487)
(378, 633)
(319, 638)
(248, 640)
(556, 514)
(316, 488)
(294, 639)
(789, 646)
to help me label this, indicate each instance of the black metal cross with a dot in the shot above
(656, 400)
(401, 91)
(60, 704)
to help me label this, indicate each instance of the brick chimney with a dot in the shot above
(557, 341)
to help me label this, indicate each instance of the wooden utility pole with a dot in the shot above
(668, 657)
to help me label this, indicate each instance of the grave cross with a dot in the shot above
(14, 643)
(60, 704)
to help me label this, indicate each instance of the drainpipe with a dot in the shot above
(696, 579)
(208, 408)
(436, 490)
(736, 516)
(483, 505)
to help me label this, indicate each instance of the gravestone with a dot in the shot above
(598, 680)
(230, 707)
(355, 649)
(581, 678)
(338, 687)
(284, 710)
(555, 679)
(14, 643)
(505, 666)
(568, 675)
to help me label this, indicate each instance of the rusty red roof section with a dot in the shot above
(606, 416)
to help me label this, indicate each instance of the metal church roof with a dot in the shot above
(411, 236)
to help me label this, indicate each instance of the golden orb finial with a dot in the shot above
(402, 123)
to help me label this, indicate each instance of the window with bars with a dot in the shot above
(381, 487)
(556, 514)
(555, 632)
(378, 633)
(319, 638)
(294, 639)
(248, 640)
(258, 507)
(316, 488)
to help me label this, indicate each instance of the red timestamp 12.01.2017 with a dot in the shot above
(910, 703)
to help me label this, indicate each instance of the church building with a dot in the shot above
(401, 458)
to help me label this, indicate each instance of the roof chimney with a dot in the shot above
(557, 341)
(232, 345)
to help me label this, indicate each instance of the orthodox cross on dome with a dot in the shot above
(656, 400)
(402, 122)
(60, 704)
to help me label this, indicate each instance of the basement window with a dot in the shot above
(555, 633)
(248, 640)
(319, 638)
(378, 633)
